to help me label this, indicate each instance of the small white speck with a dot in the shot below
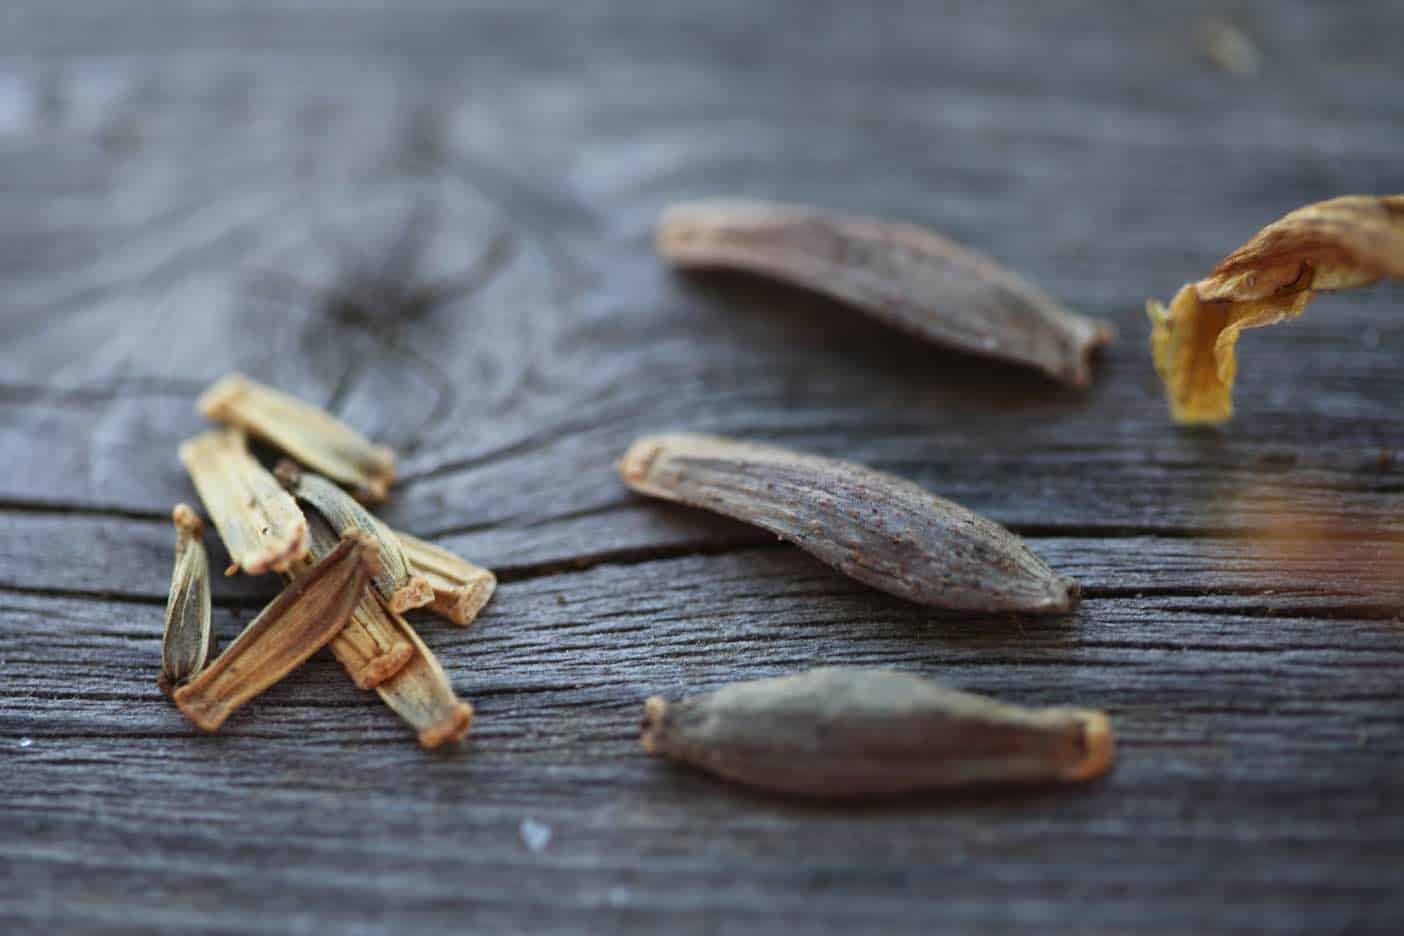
(25, 742)
(618, 896)
(536, 835)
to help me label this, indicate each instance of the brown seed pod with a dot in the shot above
(304, 617)
(1337, 244)
(855, 732)
(879, 529)
(904, 275)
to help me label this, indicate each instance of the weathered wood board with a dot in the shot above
(435, 219)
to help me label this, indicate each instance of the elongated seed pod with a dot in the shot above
(370, 647)
(304, 617)
(1337, 244)
(396, 581)
(881, 530)
(187, 641)
(259, 522)
(902, 274)
(423, 697)
(461, 588)
(854, 732)
(307, 433)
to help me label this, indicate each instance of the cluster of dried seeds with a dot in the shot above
(348, 575)
(837, 732)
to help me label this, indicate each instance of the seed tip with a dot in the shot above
(1099, 747)
(187, 520)
(655, 711)
(637, 461)
(451, 727)
(214, 403)
(1072, 593)
(415, 593)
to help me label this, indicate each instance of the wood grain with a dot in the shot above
(435, 220)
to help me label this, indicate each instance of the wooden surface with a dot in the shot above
(434, 218)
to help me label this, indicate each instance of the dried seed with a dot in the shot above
(396, 582)
(422, 695)
(370, 647)
(1336, 244)
(461, 588)
(906, 276)
(304, 617)
(187, 640)
(260, 523)
(854, 732)
(309, 434)
(881, 530)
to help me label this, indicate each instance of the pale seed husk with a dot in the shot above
(422, 695)
(306, 432)
(461, 588)
(259, 522)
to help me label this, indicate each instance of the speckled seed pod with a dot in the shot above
(899, 273)
(854, 733)
(881, 530)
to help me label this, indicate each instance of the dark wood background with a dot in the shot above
(435, 218)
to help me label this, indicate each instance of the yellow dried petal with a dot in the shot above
(1337, 244)
(1193, 342)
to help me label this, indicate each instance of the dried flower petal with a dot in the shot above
(304, 617)
(422, 695)
(370, 647)
(260, 523)
(1336, 244)
(309, 434)
(461, 588)
(902, 274)
(396, 582)
(853, 732)
(879, 529)
(187, 640)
